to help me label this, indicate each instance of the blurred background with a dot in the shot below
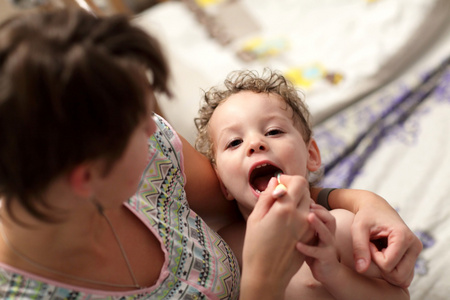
(375, 75)
(9, 7)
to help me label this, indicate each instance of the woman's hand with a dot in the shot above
(270, 257)
(375, 220)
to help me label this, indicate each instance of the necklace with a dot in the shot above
(73, 277)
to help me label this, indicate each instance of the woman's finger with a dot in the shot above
(264, 202)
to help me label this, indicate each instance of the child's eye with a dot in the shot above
(274, 132)
(234, 143)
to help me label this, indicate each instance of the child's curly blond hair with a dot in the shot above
(271, 82)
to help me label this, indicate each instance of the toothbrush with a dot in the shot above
(280, 189)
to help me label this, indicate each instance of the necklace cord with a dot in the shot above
(122, 250)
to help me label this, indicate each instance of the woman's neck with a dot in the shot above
(86, 238)
(73, 230)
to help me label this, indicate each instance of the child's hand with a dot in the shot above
(323, 258)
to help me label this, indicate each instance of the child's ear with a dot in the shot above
(80, 180)
(225, 191)
(314, 160)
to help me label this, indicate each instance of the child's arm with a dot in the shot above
(331, 261)
(376, 219)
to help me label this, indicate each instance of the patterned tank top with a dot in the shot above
(198, 263)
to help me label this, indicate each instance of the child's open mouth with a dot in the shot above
(260, 176)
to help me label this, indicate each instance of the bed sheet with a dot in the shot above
(334, 51)
(396, 142)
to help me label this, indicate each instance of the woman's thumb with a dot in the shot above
(265, 200)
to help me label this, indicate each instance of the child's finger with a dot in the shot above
(325, 216)
(325, 235)
(309, 251)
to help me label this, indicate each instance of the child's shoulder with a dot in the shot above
(344, 242)
(343, 217)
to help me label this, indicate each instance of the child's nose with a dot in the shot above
(257, 146)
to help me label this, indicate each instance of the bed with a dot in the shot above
(376, 77)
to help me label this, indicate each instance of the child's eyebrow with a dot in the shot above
(227, 129)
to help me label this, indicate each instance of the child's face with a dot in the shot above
(254, 137)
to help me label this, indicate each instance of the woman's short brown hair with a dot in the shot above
(72, 89)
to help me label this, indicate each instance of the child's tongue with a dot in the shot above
(260, 183)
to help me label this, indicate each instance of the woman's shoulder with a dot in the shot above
(166, 130)
(166, 142)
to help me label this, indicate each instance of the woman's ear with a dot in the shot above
(314, 160)
(80, 180)
(225, 191)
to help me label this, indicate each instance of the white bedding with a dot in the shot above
(384, 127)
(396, 142)
(365, 42)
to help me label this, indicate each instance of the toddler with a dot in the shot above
(258, 127)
